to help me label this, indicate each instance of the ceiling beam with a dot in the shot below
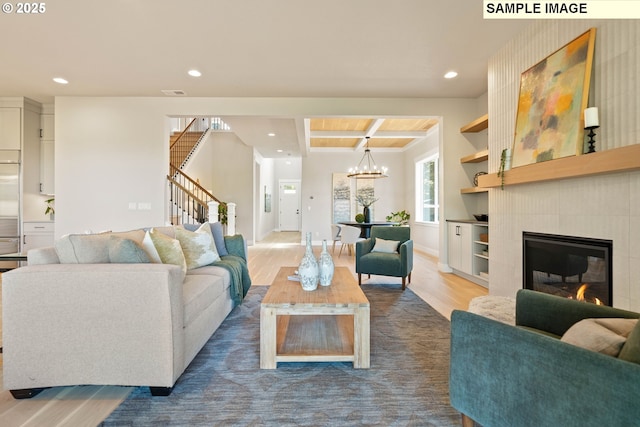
(361, 134)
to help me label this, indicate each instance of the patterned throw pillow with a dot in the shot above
(198, 246)
(169, 250)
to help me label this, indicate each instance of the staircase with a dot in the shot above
(183, 144)
(190, 202)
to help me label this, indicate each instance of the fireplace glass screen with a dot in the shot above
(571, 267)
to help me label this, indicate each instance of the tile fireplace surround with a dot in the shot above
(601, 206)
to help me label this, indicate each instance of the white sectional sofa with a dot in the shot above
(74, 317)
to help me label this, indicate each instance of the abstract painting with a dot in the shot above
(341, 198)
(553, 96)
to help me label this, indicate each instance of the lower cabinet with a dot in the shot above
(37, 234)
(469, 250)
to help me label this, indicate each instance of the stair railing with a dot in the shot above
(191, 203)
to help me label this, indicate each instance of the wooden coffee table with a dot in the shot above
(330, 324)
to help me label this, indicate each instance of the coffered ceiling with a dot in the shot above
(352, 133)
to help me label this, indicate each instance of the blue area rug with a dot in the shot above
(407, 384)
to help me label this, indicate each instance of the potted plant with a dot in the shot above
(51, 210)
(222, 213)
(401, 217)
(505, 165)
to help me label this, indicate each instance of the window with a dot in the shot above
(427, 189)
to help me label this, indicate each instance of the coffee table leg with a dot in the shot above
(268, 338)
(361, 338)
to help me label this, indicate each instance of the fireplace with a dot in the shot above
(572, 267)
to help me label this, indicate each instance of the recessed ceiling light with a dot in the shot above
(271, 134)
(450, 75)
(195, 73)
(279, 151)
(60, 80)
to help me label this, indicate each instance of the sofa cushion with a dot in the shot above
(631, 348)
(198, 246)
(199, 291)
(126, 251)
(604, 335)
(213, 270)
(169, 250)
(90, 248)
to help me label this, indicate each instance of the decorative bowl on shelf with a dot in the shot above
(481, 217)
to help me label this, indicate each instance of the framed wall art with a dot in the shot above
(553, 96)
(341, 189)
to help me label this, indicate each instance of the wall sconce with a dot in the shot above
(591, 122)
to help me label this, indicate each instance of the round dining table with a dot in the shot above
(365, 227)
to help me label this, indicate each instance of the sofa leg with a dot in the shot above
(25, 393)
(409, 277)
(404, 283)
(467, 422)
(359, 279)
(160, 391)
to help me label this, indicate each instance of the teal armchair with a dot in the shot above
(396, 264)
(519, 376)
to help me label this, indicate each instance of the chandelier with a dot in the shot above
(367, 168)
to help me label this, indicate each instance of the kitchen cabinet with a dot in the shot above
(37, 234)
(469, 250)
(47, 150)
(10, 128)
(460, 247)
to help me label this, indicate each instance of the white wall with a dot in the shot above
(228, 181)
(426, 237)
(607, 206)
(113, 151)
(317, 192)
(109, 152)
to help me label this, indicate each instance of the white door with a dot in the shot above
(289, 206)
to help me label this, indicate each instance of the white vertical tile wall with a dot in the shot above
(607, 206)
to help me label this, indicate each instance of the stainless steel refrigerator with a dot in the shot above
(9, 205)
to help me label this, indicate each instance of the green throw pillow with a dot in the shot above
(126, 251)
(198, 246)
(169, 250)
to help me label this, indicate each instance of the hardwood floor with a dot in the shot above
(90, 405)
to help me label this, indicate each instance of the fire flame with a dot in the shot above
(580, 294)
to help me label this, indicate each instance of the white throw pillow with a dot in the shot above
(604, 335)
(149, 247)
(385, 246)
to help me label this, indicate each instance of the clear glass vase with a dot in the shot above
(325, 264)
(308, 269)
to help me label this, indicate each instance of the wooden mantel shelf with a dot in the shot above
(623, 159)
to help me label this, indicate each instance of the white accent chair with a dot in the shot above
(349, 236)
(335, 233)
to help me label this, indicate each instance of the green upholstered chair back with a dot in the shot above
(399, 234)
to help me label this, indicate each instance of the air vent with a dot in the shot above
(178, 92)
